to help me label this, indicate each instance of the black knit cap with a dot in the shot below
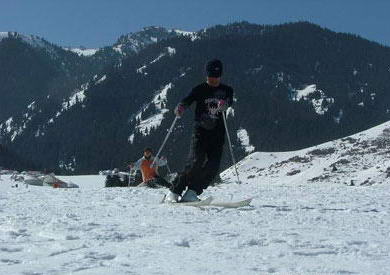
(214, 68)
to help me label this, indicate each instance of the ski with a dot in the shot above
(207, 201)
(230, 204)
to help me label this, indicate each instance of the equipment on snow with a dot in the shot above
(171, 197)
(210, 202)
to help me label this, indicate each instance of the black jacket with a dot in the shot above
(207, 114)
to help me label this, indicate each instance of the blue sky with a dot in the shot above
(96, 23)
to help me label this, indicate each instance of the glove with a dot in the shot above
(222, 105)
(179, 110)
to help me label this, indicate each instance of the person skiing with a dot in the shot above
(150, 175)
(211, 98)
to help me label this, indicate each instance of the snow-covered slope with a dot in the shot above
(360, 159)
(296, 226)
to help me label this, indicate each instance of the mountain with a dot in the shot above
(54, 75)
(9, 159)
(32, 69)
(296, 85)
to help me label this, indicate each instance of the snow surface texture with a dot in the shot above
(304, 222)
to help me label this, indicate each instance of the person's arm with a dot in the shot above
(160, 161)
(137, 165)
(230, 97)
(185, 103)
(224, 104)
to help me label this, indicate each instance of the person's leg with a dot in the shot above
(160, 181)
(211, 167)
(193, 168)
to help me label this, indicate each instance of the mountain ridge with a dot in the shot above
(269, 66)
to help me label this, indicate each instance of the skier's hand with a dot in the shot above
(179, 110)
(222, 105)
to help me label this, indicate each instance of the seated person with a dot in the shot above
(150, 176)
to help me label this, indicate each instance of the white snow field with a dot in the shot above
(303, 220)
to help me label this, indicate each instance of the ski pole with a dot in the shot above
(169, 170)
(165, 140)
(129, 182)
(231, 148)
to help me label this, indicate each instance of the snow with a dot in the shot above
(141, 70)
(157, 58)
(83, 51)
(171, 51)
(8, 124)
(154, 121)
(32, 106)
(193, 35)
(318, 104)
(118, 49)
(77, 97)
(131, 138)
(305, 92)
(295, 226)
(102, 79)
(243, 136)
(151, 122)
(3, 35)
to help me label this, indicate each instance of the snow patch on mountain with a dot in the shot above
(77, 97)
(12, 128)
(193, 35)
(305, 92)
(69, 166)
(83, 51)
(3, 35)
(243, 137)
(159, 101)
(151, 122)
(101, 80)
(318, 98)
(169, 51)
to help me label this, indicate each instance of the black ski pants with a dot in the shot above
(203, 162)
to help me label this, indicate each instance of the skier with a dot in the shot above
(150, 176)
(211, 98)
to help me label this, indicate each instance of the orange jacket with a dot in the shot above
(148, 172)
